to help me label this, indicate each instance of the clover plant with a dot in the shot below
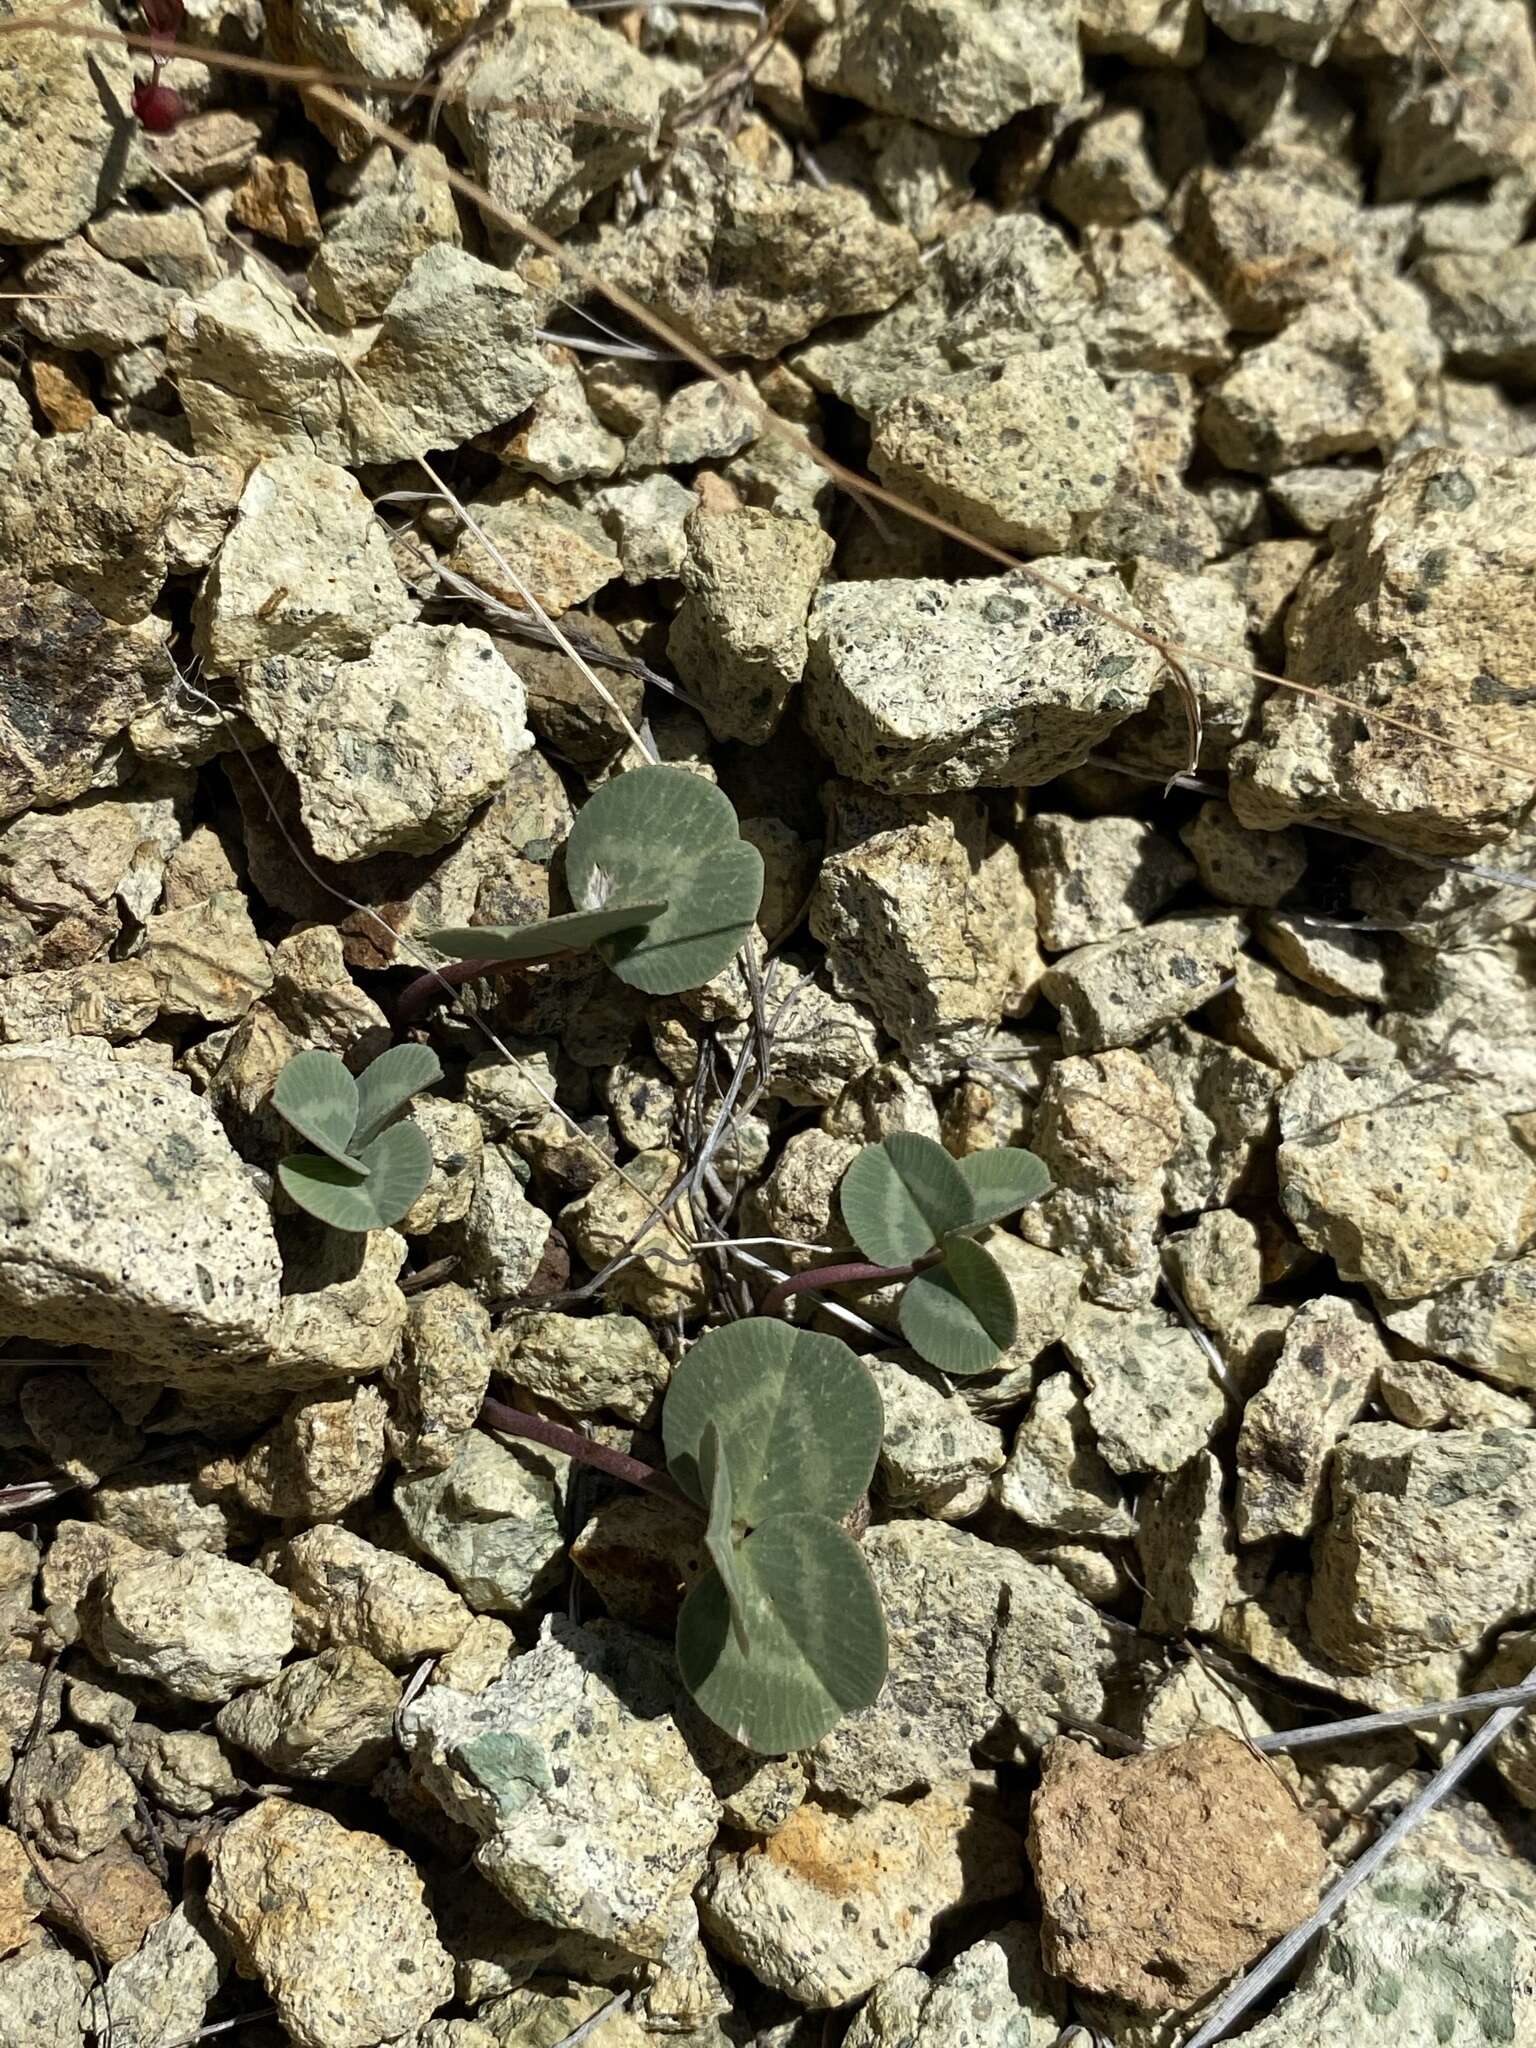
(912, 1210)
(366, 1169)
(773, 1432)
(666, 890)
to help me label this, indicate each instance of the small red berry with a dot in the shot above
(158, 107)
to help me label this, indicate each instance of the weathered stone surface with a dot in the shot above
(393, 752)
(1185, 1549)
(924, 686)
(1094, 878)
(1218, 1264)
(1268, 239)
(163, 1991)
(1021, 453)
(1425, 1547)
(1238, 865)
(1055, 1477)
(929, 922)
(99, 1243)
(1421, 1393)
(439, 1375)
(784, 1910)
(328, 1717)
(1279, 1021)
(1123, 989)
(42, 1996)
(324, 1455)
(994, 1991)
(111, 1900)
(206, 960)
(738, 639)
(935, 1454)
(1153, 1398)
(58, 115)
(333, 1922)
(198, 1625)
(1153, 312)
(1106, 1127)
(806, 255)
(85, 301)
(1487, 1323)
(954, 65)
(304, 535)
(346, 1590)
(369, 248)
(554, 111)
(589, 1810)
(492, 1520)
(601, 1225)
(1418, 615)
(114, 1000)
(585, 1363)
(1325, 1376)
(1407, 1188)
(1162, 1875)
(71, 1800)
(502, 1235)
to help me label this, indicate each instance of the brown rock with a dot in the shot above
(21, 1893)
(1162, 1875)
(274, 199)
(62, 389)
(112, 1900)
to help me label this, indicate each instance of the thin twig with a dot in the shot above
(1394, 1717)
(556, 1436)
(1248, 1989)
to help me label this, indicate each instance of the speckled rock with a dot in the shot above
(738, 639)
(1162, 1875)
(662, 1278)
(929, 922)
(60, 130)
(1279, 1021)
(1421, 1393)
(1487, 1323)
(951, 64)
(1408, 1189)
(492, 1520)
(994, 1991)
(198, 1625)
(584, 1363)
(589, 1810)
(823, 1910)
(1153, 1398)
(333, 1922)
(1020, 453)
(439, 1375)
(1055, 1478)
(305, 535)
(395, 751)
(42, 1997)
(808, 255)
(1094, 878)
(1417, 613)
(369, 246)
(1425, 1547)
(902, 687)
(1121, 990)
(1325, 1376)
(1185, 1548)
(935, 1454)
(346, 1590)
(98, 1244)
(1432, 1954)
(1238, 865)
(1218, 1263)
(323, 1455)
(206, 960)
(328, 1717)
(502, 1236)
(70, 1800)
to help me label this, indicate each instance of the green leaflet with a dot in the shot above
(901, 1197)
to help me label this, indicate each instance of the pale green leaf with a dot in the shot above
(1002, 1181)
(666, 833)
(798, 1415)
(720, 1536)
(317, 1095)
(369, 1192)
(900, 1197)
(816, 1643)
(960, 1316)
(565, 934)
(387, 1084)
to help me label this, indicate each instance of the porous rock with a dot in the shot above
(347, 1590)
(333, 1922)
(589, 1811)
(329, 1717)
(995, 1990)
(1487, 1323)
(99, 1241)
(492, 1520)
(1325, 1375)
(826, 1906)
(924, 686)
(1121, 990)
(200, 1625)
(1153, 1397)
(1162, 1875)
(1094, 878)
(955, 65)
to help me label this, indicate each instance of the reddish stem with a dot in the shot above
(819, 1279)
(556, 1436)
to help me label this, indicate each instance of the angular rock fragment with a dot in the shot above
(925, 687)
(1121, 990)
(935, 1454)
(828, 1904)
(199, 1625)
(996, 1986)
(1153, 1398)
(333, 1922)
(1162, 1875)
(1094, 878)
(328, 1717)
(1185, 1548)
(1487, 1323)
(1323, 1380)
(589, 1810)
(346, 1590)
(1055, 1477)
(492, 1520)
